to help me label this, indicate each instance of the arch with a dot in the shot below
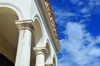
(38, 33)
(14, 8)
(8, 14)
(36, 17)
(54, 60)
(48, 55)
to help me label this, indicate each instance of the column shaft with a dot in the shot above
(40, 60)
(24, 48)
(40, 55)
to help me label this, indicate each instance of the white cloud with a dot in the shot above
(95, 51)
(61, 14)
(91, 2)
(79, 47)
(84, 10)
(97, 2)
(80, 3)
(87, 15)
(74, 1)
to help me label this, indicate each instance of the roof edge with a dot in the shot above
(44, 9)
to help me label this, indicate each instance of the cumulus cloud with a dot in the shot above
(79, 49)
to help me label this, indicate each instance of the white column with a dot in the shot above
(24, 43)
(40, 55)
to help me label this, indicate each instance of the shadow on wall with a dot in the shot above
(48, 54)
(38, 34)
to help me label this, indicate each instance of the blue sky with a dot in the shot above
(78, 27)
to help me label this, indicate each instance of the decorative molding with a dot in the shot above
(51, 17)
(50, 30)
(25, 24)
(40, 50)
(37, 3)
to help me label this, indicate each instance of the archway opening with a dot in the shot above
(5, 61)
(8, 33)
(48, 55)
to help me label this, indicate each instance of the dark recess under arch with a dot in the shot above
(4, 61)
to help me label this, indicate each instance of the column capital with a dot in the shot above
(40, 50)
(25, 24)
(49, 64)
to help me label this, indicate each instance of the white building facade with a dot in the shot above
(28, 35)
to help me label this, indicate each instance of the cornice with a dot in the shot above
(49, 24)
